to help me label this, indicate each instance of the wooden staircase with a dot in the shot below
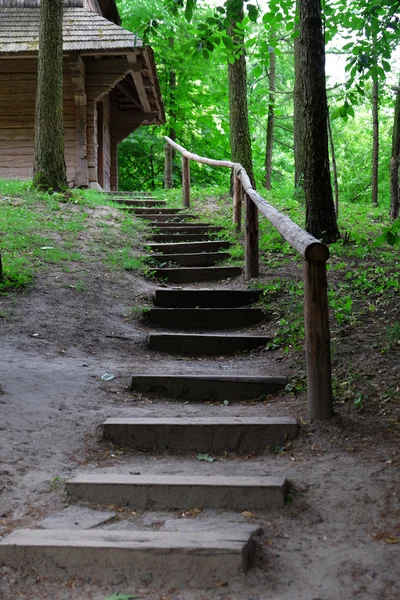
(193, 322)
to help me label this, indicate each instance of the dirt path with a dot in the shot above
(336, 538)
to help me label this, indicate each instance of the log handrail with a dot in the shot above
(315, 255)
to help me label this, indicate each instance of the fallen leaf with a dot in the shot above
(205, 458)
(392, 539)
(221, 584)
(248, 514)
(107, 377)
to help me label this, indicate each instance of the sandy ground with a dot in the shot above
(336, 537)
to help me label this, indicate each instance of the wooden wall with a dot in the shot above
(17, 117)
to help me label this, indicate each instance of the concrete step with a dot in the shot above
(202, 344)
(205, 318)
(200, 434)
(205, 298)
(188, 228)
(193, 274)
(203, 259)
(189, 248)
(129, 203)
(144, 210)
(178, 238)
(130, 557)
(166, 218)
(207, 388)
(177, 492)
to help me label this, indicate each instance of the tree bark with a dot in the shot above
(313, 107)
(298, 124)
(334, 166)
(238, 110)
(375, 131)
(49, 172)
(271, 118)
(395, 162)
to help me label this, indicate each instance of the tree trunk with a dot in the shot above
(298, 115)
(271, 118)
(334, 166)
(395, 162)
(49, 172)
(313, 107)
(375, 131)
(238, 111)
(375, 141)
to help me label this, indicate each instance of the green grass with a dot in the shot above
(39, 229)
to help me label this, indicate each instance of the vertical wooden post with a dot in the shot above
(237, 203)
(185, 182)
(251, 240)
(317, 337)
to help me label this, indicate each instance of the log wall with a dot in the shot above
(17, 117)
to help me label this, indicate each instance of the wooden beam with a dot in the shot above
(78, 77)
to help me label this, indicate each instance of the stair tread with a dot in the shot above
(194, 420)
(178, 480)
(96, 538)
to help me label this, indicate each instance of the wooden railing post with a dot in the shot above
(237, 202)
(317, 338)
(251, 240)
(185, 182)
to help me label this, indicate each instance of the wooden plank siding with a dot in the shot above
(17, 117)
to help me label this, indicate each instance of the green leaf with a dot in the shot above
(228, 42)
(257, 71)
(205, 458)
(190, 5)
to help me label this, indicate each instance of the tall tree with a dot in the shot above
(375, 122)
(237, 80)
(49, 170)
(271, 116)
(313, 107)
(395, 161)
(298, 133)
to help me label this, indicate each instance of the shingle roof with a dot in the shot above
(82, 30)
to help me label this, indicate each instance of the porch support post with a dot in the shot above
(78, 76)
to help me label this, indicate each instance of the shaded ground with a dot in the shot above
(338, 534)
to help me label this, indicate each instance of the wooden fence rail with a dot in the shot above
(315, 255)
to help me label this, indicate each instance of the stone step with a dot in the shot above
(217, 435)
(193, 274)
(202, 259)
(129, 202)
(189, 248)
(178, 238)
(166, 218)
(187, 228)
(177, 492)
(207, 388)
(144, 210)
(202, 344)
(205, 298)
(205, 318)
(130, 557)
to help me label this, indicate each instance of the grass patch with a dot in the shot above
(39, 229)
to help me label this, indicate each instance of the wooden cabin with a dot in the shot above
(110, 89)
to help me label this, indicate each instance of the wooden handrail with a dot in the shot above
(315, 255)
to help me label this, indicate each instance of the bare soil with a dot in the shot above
(338, 535)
